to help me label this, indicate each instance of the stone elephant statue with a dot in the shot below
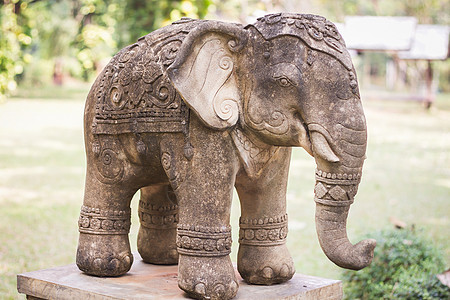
(197, 108)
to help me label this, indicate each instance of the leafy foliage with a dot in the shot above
(75, 36)
(404, 267)
(58, 33)
(15, 37)
(142, 17)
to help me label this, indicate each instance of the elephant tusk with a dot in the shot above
(321, 147)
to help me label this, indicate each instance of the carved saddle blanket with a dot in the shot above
(134, 95)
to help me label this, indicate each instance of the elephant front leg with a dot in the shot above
(104, 223)
(204, 241)
(158, 213)
(204, 191)
(205, 270)
(263, 257)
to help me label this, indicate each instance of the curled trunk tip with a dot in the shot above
(332, 234)
(358, 256)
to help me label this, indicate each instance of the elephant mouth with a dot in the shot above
(307, 145)
(315, 139)
(303, 136)
(346, 147)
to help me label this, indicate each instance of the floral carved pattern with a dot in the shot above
(110, 168)
(335, 189)
(254, 155)
(263, 232)
(158, 217)
(174, 176)
(317, 32)
(203, 241)
(134, 94)
(99, 221)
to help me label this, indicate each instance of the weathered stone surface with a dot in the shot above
(197, 108)
(147, 281)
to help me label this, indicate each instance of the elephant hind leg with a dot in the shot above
(104, 223)
(158, 213)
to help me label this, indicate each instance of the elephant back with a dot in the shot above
(134, 94)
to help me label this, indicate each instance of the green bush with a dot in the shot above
(405, 265)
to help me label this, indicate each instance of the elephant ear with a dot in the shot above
(204, 72)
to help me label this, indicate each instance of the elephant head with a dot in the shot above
(287, 80)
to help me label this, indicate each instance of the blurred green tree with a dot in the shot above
(141, 17)
(58, 37)
(15, 37)
(106, 26)
(47, 39)
(94, 41)
(53, 46)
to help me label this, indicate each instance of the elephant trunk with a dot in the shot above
(331, 219)
(337, 179)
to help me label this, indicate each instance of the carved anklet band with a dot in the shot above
(158, 217)
(341, 179)
(263, 232)
(203, 241)
(100, 221)
(335, 189)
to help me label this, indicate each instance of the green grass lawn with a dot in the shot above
(42, 167)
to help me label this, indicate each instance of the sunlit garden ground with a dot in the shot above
(42, 167)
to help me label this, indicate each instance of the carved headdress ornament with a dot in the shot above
(315, 31)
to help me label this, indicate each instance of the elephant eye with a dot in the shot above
(284, 81)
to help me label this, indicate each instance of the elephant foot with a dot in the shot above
(157, 246)
(207, 277)
(104, 255)
(157, 233)
(265, 265)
